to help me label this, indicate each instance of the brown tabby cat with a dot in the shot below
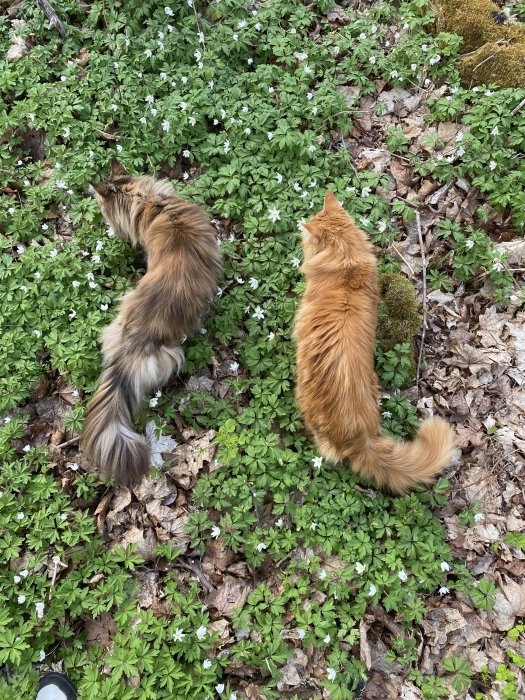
(142, 345)
(337, 387)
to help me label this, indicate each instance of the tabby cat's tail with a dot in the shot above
(399, 465)
(132, 369)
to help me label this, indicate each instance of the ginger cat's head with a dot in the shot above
(330, 230)
(115, 197)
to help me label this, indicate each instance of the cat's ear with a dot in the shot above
(117, 169)
(331, 203)
(307, 230)
(102, 188)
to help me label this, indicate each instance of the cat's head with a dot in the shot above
(115, 197)
(330, 228)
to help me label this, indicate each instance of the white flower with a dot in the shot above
(220, 688)
(279, 178)
(61, 184)
(192, 121)
(66, 130)
(11, 210)
(269, 134)
(274, 214)
(37, 333)
(73, 466)
(234, 366)
(488, 93)
(215, 532)
(235, 37)
(44, 227)
(296, 262)
(24, 573)
(186, 153)
(165, 125)
(148, 53)
(169, 11)
(24, 288)
(7, 420)
(75, 283)
(271, 90)
(178, 635)
(313, 526)
(317, 462)
(435, 59)
(103, 307)
(307, 69)
(424, 47)
(21, 599)
(42, 655)
(201, 633)
(185, 176)
(16, 579)
(258, 26)
(241, 24)
(63, 516)
(326, 640)
(247, 131)
(258, 313)
(27, 448)
(38, 275)
(253, 283)
(469, 243)
(184, 79)
(386, 414)
(331, 673)
(497, 266)
(95, 259)
(402, 575)
(322, 574)
(359, 567)
(70, 192)
(495, 131)
(143, 120)
(270, 336)
(114, 107)
(461, 151)
(73, 314)
(279, 523)
(206, 663)
(197, 55)
(153, 402)
(479, 517)
(372, 59)
(261, 546)
(153, 112)
(493, 165)
(226, 146)
(394, 74)
(443, 590)
(365, 192)
(39, 607)
(372, 591)
(312, 148)
(445, 566)
(20, 516)
(297, 187)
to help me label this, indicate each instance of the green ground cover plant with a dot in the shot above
(237, 107)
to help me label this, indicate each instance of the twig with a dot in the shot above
(73, 441)
(52, 17)
(204, 580)
(393, 245)
(517, 107)
(424, 273)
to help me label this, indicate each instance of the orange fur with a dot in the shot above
(142, 346)
(337, 387)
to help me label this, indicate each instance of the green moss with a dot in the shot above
(398, 318)
(493, 63)
(494, 52)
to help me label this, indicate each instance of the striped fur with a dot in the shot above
(337, 388)
(141, 348)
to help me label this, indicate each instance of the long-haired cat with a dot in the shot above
(337, 387)
(142, 346)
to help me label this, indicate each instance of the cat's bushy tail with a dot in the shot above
(400, 465)
(132, 367)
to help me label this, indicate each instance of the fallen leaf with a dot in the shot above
(510, 603)
(232, 594)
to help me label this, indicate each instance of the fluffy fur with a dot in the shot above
(142, 346)
(337, 387)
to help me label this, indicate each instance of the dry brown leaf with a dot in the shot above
(100, 630)
(144, 540)
(232, 594)
(510, 603)
(187, 460)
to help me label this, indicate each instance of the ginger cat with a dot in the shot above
(337, 387)
(142, 345)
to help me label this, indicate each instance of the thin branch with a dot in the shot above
(52, 17)
(196, 571)
(393, 245)
(424, 273)
(73, 441)
(517, 107)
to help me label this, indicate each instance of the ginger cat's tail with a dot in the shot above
(401, 465)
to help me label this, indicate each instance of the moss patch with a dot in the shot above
(494, 51)
(398, 319)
